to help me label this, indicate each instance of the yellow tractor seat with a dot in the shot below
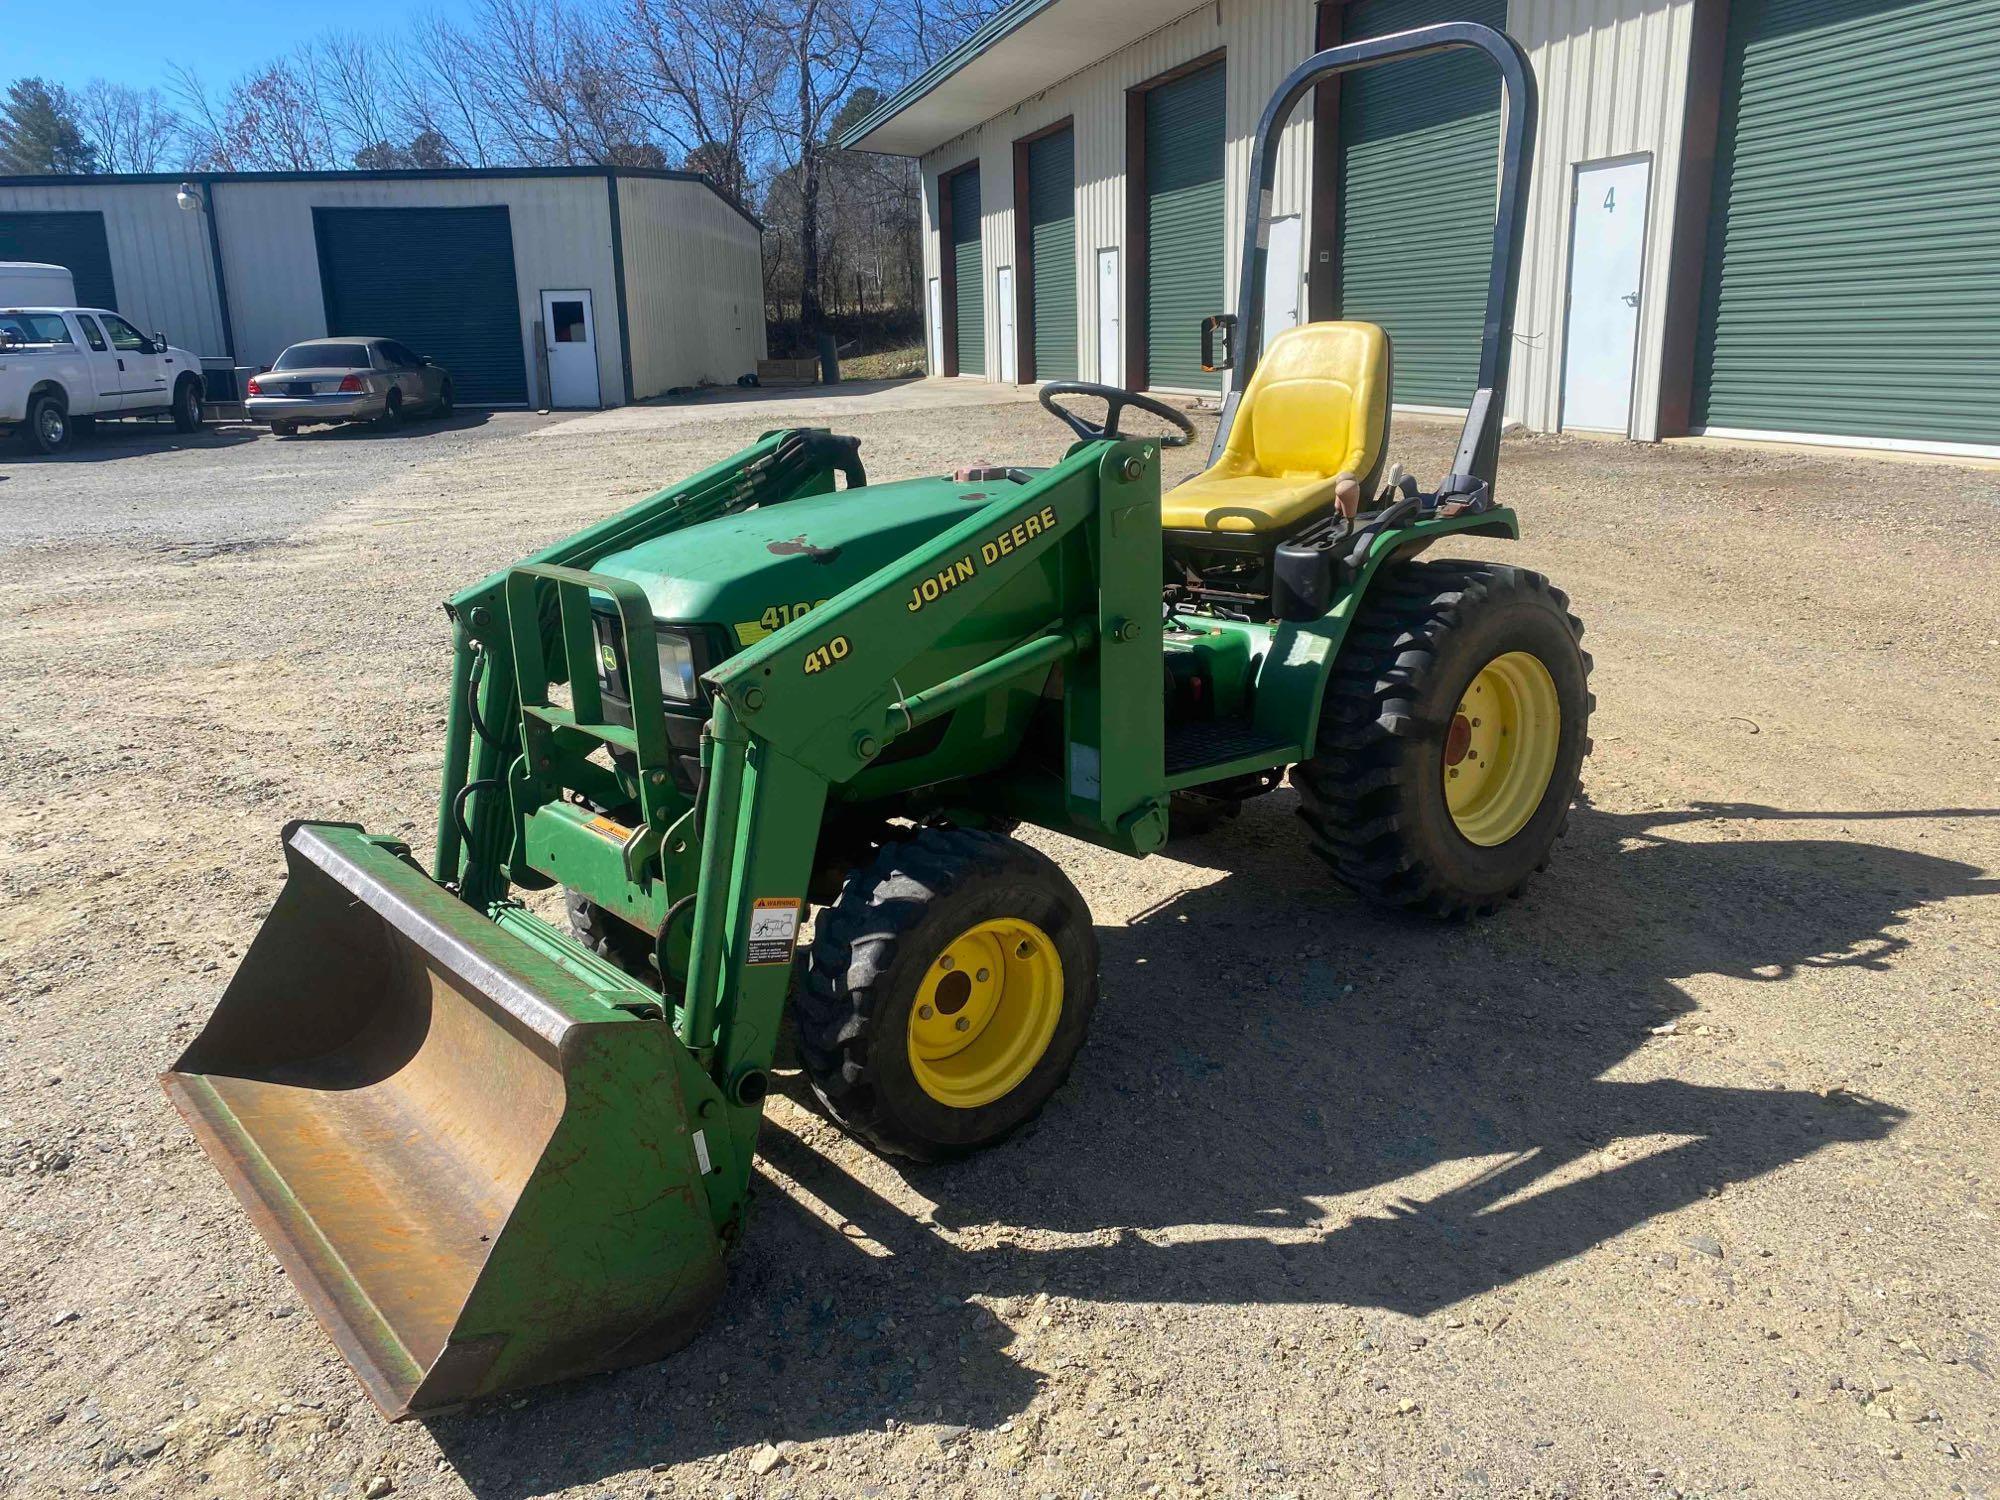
(1317, 407)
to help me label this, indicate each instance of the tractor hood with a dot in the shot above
(752, 572)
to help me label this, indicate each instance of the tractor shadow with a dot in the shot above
(1265, 1048)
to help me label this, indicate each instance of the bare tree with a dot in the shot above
(711, 66)
(922, 31)
(132, 131)
(551, 80)
(347, 81)
(826, 45)
(271, 120)
(435, 94)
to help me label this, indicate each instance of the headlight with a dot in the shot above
(678, 676)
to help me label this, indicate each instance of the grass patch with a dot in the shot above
(885, 364)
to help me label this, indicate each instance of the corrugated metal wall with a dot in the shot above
(1612, 75)
(1613, 79)
(1417, 190)
(1853, 275)
(968, 276)
(1185, 192)
(1051, 168)
(159, 256)
(1264, 38)
(562, 241)
(694, 286)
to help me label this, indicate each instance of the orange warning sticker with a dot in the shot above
(774, 928)
(611, 828)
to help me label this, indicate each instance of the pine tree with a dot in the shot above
(40, 132)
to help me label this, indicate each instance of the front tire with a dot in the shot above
(1452, 738)
(608, 937)
(447, 401)
(187, 405)
(47, 430)
(946, 993)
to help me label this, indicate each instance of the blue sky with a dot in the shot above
(133, 41)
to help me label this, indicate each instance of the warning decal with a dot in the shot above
(774, 927)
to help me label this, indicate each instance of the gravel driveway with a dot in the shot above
(1675, 1178)
(229, 485)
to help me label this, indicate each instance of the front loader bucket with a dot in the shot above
(480, 1173)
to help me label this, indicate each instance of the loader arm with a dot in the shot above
(811, 704)
(477, 823)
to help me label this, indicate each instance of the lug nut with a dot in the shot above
(947, 962)
(924, 1012)
(962, 1024)
(983, 975)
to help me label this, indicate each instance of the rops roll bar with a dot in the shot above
(1479, 447)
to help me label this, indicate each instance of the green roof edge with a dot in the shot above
(1005, 21)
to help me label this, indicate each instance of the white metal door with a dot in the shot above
(105, 372)
(1108, 349)
(1003, 289)
(142, 377)
(1284, 272)
(571, 335)
(937, 328)
(1607, 251)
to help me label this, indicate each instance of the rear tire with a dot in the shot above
(446, 402)
(47, 430)
(1410, 804)
(955, 932)
(187, 405)
(285, 429)
(392, 413)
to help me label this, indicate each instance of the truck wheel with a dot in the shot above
(946, 993)
(187, 405)
(47, 429)
(1451, 739)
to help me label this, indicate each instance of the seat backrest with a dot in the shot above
(1318, 402)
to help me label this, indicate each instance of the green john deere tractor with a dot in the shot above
(493, 1153)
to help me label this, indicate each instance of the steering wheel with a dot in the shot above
(1115, 399)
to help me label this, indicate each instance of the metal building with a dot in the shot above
(567, 287)
(1763, 218)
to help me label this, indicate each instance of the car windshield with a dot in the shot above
(323, 357)
(33, 328)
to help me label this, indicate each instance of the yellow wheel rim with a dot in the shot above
(985, 1012)
(1500, 748)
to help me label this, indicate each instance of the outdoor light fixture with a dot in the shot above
(188, 196)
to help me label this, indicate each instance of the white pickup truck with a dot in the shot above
(63, 368)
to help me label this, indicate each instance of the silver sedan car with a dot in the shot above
(353, 379)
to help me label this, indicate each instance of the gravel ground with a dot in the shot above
(1676, 1178)
(225, 487)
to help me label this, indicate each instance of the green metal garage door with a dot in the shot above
(1419, 183)
(1853, 276)
(969, 274)
(1184, 227)
(1052, 253)
(440, 280)
(74, 240)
